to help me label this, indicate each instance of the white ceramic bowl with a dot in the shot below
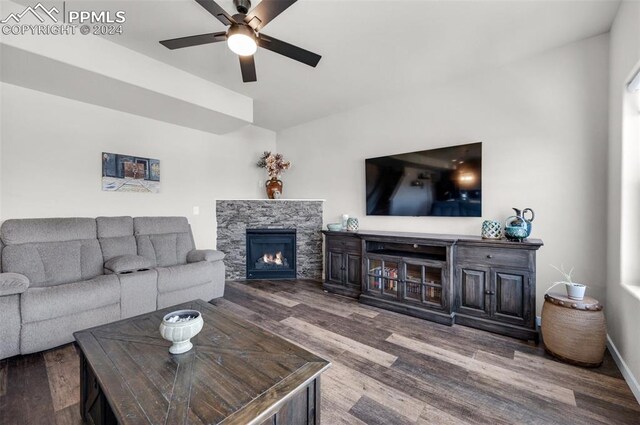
(180, 333)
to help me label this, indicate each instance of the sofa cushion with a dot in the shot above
(160, 225)
(116, 247)
(116, 236)
(10, 329)
(70, 298)
(126, 264)
(45, 334)
(13, 283)
(164, 240)
(33, 230)
(113, 227)
(165, 250)
(206, 292)
(184, 276)
(204, 255)
(53, 263)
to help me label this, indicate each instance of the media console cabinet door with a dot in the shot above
(335, 267)
(344, 269)
(512, 296)
(474, 291)
(343, 264)
(425, 282)
(353, 266)
(383, 278)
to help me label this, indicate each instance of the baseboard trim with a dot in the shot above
(624, 369)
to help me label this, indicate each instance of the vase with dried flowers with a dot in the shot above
(275, 164)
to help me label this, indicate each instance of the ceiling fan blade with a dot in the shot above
(288, 50)
(220, 14)
(266, 11)
(194, 40)
(248, 68)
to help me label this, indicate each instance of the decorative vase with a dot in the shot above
(345, 219)
(515, 229)
(352, 224)
(180, 332)
(491, 229)
(274, 188)
(518, 227)
(521, 215)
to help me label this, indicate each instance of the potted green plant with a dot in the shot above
(575, 291)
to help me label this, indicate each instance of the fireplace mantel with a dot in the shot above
(235, 216)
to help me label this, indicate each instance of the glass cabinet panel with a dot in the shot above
(422, 283)
(375, 275)
(414, 277)
(382, 277)
(433, 276)
(414, 273)
(416, 282)
(390, 281)
(433, 285)
(433, 295)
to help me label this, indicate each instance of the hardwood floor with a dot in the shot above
(387, 369)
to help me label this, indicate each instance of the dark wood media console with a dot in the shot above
(448, 279)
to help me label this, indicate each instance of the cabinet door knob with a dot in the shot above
(489, 256)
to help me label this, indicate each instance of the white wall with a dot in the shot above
(623, 306)
(51, 162)
(1, 126)
(99, 55)
(543, 124)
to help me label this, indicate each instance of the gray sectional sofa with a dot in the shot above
(61, 275)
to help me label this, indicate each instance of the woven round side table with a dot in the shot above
(574, 331)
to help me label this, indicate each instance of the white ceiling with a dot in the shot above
(371, 49)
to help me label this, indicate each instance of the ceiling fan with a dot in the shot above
(243, 36)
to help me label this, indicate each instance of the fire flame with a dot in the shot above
(273, 259)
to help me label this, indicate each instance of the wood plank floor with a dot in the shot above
(387, 369)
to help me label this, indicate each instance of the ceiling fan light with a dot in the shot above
(242, 41)
(242, 45)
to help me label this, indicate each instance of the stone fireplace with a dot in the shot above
(236, 218)
(271, 254)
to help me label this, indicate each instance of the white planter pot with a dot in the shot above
(180, 333)
(575, 291)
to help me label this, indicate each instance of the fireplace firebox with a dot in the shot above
(271, 254)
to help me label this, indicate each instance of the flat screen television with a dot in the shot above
(438, 182)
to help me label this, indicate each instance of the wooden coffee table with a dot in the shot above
(237, 373)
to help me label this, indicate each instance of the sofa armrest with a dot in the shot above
(126, 264)
(209, 255)
(13, 283)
